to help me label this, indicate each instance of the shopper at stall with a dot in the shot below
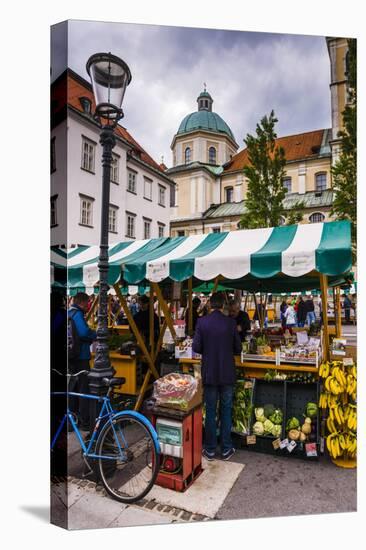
(196, 302)
(310, 311)
(290, 315)
(283, 308)
(347, 304)
(85, 336)
(217, 339)
(142, 320)
(301, 312)
(241, 318)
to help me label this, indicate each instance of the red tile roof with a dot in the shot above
(75, 90)
(298, 146)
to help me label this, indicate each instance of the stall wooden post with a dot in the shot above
(216, 282)
(151, 366)
(165, 309)
(190, 311)
(324, 298)
(151, 322)
(339, 311)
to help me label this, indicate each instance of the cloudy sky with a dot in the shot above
(247, 74)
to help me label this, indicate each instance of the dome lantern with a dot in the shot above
(204, 101)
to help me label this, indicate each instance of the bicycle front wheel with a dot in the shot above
(128, 461)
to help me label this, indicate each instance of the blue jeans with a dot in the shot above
(310, 318)
(212, 394)
(301, 323)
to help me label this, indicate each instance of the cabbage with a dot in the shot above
(269, 409)
(276, 430)
(259, 414)
(311, 410)
(276, 417)
(258, 428)
(292, 424)
(268, 425)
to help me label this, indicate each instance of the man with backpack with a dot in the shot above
(79, 339)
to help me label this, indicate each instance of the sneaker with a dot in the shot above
(228, 454)
(207, 455)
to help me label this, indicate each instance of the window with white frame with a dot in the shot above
(88, 155)
(131, 182)
(317, 217)
(161, 228)
(187, 155)
(130, 225)
(115, 168)
(86, 211)
(112, 218)
(148, 189)
(286, 182)
(216, 230)
(54, 210)
(180, 233)
(147, 228)
(212, 155)
(321, 181)
(161, 195)
(229, 194)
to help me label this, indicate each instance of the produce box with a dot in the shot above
(298, 395)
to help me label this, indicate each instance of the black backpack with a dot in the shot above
(73, 339)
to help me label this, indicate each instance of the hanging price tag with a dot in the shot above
(283, 443)
(276, 443)
(310, 449)
(291, 446)
(251, 439)
(347, 362)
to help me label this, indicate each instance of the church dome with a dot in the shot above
(204, 118)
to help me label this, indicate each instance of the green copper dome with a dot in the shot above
(204, 120)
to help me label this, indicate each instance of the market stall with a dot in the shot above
(282, 259)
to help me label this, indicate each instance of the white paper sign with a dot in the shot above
(284, 443)
(291, 446)
(302, 337)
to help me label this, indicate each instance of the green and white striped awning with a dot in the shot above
(286, 251)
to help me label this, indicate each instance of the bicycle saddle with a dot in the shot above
(114, 381)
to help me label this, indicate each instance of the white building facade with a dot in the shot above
(140, 192)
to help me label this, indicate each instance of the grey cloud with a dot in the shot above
(247, 74)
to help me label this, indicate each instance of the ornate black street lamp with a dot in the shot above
(110, 77)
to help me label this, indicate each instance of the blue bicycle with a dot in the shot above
(123, 446)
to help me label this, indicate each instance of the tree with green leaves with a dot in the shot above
(264, 172)
(344, 170)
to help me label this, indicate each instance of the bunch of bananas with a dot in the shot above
(338, 443)
(351, 417)
(327, 400)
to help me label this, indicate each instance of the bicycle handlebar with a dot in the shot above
(69, 375)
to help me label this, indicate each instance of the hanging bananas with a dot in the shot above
(339, 398)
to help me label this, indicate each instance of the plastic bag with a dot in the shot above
(175, 389)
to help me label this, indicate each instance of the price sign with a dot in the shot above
(251, 439)
(276, 443)
(248, 384)
(284, 443)
(310, 449)
(347, 362)
(291, 446)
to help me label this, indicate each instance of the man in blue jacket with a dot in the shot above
(86, 336)
(217, 339)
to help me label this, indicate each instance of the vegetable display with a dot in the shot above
(268, 421)
(242, 407)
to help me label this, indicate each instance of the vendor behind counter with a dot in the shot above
(142, 320)
(241, 318)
